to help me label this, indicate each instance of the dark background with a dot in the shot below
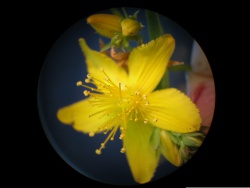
(36, 26)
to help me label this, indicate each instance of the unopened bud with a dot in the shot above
(105, 24)
(130, 27)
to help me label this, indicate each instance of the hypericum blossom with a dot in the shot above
(125, 102)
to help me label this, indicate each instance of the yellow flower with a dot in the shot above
(105, 24)
(126, 102)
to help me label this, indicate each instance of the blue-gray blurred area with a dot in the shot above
(63, 67)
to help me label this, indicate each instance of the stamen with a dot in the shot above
(110, 137)
(86, 93)
(155, 119)
(137, 93)
(87, 80)
(121, 136)
(107, 78)
(91, 134)
(123, 150)
(117, 103)
(98, 152)
(79, 83)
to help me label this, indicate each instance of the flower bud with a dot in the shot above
(105, 24)
(130, 27)
(184, 152)
(191, 141)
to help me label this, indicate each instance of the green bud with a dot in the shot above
(191, 141)
(130, 27)
(116, 40)
(184, 153)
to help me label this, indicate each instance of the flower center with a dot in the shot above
(117, 103)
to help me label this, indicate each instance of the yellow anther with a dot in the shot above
(123, 150)
(87, 80)
(144, 96)
(88, 76)
(147, 103)
(91, 134)
(121, 136)
(155, 119)
(112, 138)
(98, 151)
(79, 83)
(145, 121)
(137, 93)
(86, 93)
(106, 78)
(136, 119)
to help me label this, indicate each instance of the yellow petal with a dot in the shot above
(105, 24)
(169, 150)
(77, 115)
(174, 111)
(96, 61)
(147, 63)
(140, 154)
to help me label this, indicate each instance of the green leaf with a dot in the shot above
(184, 153)
(155, 28)
(164, 83)
(173, 138)
(116, 12)
(191, 141)
(135, 14)
(182, 67)
(106, 47)
(165, 80)
(124, 12)
(192, 134)
(203, 128)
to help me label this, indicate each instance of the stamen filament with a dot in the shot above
(108, 78)
(109, 137)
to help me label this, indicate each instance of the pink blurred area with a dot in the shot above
(200, 85)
